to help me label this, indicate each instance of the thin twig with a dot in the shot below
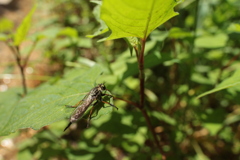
(17, 55)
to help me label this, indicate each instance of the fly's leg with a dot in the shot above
(109, 104)
(74, 105)
(89, 117)
(107, 95)
(90, 114)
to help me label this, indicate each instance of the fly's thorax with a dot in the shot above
(96, 92)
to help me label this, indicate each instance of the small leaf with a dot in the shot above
(234, 27)
(227, 83)
(4, 37)
(23, 29)
(215, 41)
(100, 31)
(179, 33)
(103, 27)
(136, 18)
(68, 31)
(132, 42)
(5, 25)
(164, 117)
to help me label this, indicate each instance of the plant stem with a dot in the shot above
(142, 96)
(141, 73)
(147, 118)
(23, 80)
(21, 66)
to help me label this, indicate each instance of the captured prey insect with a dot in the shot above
(95, 95)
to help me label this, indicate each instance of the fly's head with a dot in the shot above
(101, 87)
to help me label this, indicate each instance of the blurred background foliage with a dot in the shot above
(188, 55)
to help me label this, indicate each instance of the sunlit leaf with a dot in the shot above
(179, 33)
(6, 25)
(234, 27)
(211, 41)
(164, 117)
(227, 83)
(103, 27)
(23, 29)
(136, 18)
(68, 31)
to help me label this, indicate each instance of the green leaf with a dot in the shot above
(103, 27)
(164, 117)
(136, 18)
(4, 37)
(6, 25)
(234, 27)
(213, 120)
(23, 29)
(132, 42)
(46, 104)
(227, 83)
(215, 41)
(8, 101)
(68, 31)
(179, 33)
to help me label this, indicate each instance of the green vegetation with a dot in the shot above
(172, 66)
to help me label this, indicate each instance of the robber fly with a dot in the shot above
(95, 95)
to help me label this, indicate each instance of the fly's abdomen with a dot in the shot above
(79, 112)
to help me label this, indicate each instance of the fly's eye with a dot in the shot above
(103, 87)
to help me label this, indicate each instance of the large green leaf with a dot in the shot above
(46, 104)
(136, 18)
(8, 102)
(227, 83)
(23, 29)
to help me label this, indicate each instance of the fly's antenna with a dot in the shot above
(95, 83)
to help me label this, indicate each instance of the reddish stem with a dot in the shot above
(142, 96)
(141, 73)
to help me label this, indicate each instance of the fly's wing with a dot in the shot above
(81, 107)
(84, 105)
(80, 103)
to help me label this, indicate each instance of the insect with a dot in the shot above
(95, 95)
